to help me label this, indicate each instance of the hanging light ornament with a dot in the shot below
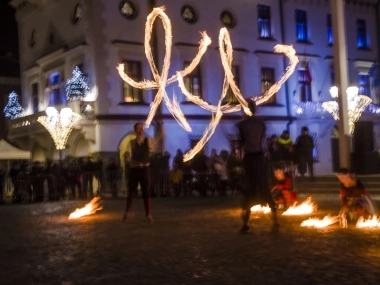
(355, 105)
(59, 125)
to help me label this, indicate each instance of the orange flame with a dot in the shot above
(317, 223)
(259, 208)
(373, 222)
(306, 207)
(89, 209)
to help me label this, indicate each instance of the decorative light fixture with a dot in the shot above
(355, 105)
(59, 125)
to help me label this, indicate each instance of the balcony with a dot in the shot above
(25, 126)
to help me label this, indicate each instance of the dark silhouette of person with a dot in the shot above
(252, 131)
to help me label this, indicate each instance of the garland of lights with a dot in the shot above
(13, 108)
(76, 86)
(161, 80)
(59, 125)
(356, 104)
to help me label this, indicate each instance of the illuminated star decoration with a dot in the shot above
(76, 86)
(355, 105)
(13, 108)
(59, 125)
(161, 81)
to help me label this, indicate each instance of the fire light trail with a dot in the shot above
(259, 208)
(89, 209)
(290, 52)
(161, 81)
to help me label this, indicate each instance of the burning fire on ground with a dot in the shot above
(259, 208)
(373, 222)
(317, 223)
(89, 209)
(306, 207)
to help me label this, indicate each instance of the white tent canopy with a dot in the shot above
(9, 152)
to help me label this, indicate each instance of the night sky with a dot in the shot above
(8, 29)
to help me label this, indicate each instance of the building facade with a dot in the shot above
(55, 36)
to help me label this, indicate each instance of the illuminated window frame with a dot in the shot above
(134, 70)
(193, 81)
(267, 80)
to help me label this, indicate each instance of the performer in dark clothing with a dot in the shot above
(140, 149)
(252, 131)
(305, 145)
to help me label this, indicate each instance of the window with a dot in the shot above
(230, 96)
(364, 84)
(133, 69)
(193, 82)
(227, 19)
(128, 10)
(189, 14)
(77, 15)
(301, 26)
(263, 19)
(330, 38)
(267, 80)
(361, 29)
(33, 37)
(304, 84)
(35, 97)
(54, 87)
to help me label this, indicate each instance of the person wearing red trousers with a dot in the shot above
(140, 149)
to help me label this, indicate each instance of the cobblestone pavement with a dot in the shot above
(192, 241)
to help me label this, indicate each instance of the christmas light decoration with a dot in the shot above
(161, 81)
(13, 108)
(304, 108)
(356, 104)
(59, 125)
(76, 86)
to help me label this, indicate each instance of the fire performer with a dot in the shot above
(140, 149)
(354, 198)
(282, 193)
(252, 131)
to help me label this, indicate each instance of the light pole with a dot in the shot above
(59, 125)
(340, 68)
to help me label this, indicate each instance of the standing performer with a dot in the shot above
(252, 131)
(140, 149)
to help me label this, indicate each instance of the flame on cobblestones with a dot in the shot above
(259, 208)
(373, 222)
(306, 207)
(317, 223)
(89, 209)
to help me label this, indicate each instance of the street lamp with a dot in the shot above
(355, 105)
(59, 125)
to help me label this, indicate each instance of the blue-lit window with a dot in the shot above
(301, 26)
(263, 21)
(361, 29)
(230, 96)
(304, 85)
(133, 70)
(193, 81)
(330, 38)
(267, 80)
(364, 84)
(57, 96)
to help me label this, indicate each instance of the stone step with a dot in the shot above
(330, 184)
